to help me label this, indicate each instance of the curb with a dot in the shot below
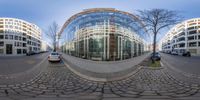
(161, 63)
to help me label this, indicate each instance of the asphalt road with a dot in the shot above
(186, 64)
(17, 64)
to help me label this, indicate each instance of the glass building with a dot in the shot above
(102, 34)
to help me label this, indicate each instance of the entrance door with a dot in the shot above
(8, 48)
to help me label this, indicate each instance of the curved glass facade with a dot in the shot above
(102, 34)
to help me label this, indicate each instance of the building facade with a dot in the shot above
(183, 37)
(17, 37)
(104, 34)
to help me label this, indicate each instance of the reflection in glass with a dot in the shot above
(103, 34)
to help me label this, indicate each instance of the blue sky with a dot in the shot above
(44, 12)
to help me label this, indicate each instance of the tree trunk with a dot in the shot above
(154, 47)
(54, 47)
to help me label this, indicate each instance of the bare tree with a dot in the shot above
(155, 20)
(52, 34)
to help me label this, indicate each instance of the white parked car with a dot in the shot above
(54, 56)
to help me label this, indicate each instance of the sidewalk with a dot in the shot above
(101, 69)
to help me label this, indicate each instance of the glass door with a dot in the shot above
(8, 48)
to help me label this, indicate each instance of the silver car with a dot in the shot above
(54, 56)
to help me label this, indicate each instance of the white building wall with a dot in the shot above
(186, 33)
(20, 35)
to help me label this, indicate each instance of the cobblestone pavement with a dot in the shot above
(58, 82)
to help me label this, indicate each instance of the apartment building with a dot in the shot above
(17, 37)
(185, 36)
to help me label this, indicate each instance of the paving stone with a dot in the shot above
(3, 86)
(2, 95)
(5, 98)
(26, 89)
(28, 94)
(107, 91)
(11, 85)
(149, 93)
(132, 92)
(37, 92)
(47, 96)
(68, 95)
(119, 98)
(155, 97)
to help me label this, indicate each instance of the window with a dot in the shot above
(1, 36)
(16, 37)
(1, 51)
(20, 38)
(20, 44)
(182, 45)
(181, 39)
(192, 32)
(19, 51)
(24, 51)
(29, 37)
(1, 31)
(192, 44)
(16, 27)
(54, 54)
(24, 34)
(15, 43)
(29, 42)
(6, 36)
(182, 33)
(190, 28)
(11, 37)
(11, 26)
(191, 38)
(24, 44)
(24, 39)
(1, 43)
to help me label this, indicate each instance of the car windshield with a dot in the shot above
(156, 53)
(54, 53)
